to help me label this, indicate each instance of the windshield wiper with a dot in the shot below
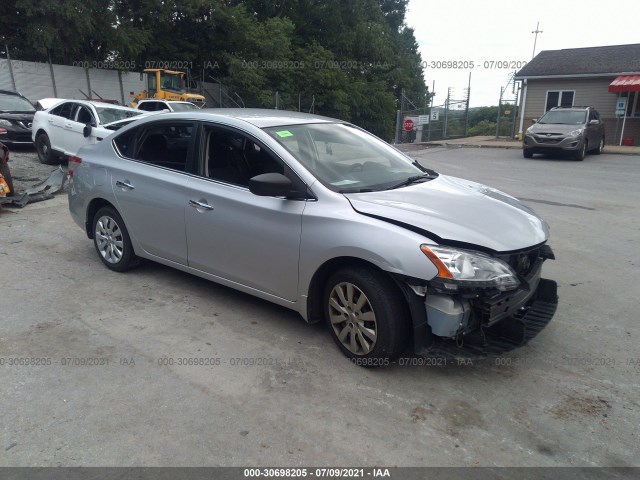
(410, 180)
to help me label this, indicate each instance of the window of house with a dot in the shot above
(633, 103)
(559, 98)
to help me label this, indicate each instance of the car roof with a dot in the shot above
(261, 118)
(52, 102)
(162, 100)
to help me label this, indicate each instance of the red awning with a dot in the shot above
(625, 83)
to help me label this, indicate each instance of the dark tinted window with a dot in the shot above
(148, 106)
(125, 142)
(84, 115)
(65, 110)
(165, 145)
(232, 157)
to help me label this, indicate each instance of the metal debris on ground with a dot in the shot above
(38, 192)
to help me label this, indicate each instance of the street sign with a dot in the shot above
(408, 125)
(435, 114)
(423, 119)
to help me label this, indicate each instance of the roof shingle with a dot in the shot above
(613, 59)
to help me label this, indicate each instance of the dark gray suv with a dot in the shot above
(574, 130)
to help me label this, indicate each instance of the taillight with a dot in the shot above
(73, 163)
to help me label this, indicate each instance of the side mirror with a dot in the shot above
(594, 122)
(270, 185)
(534, 120)
(86, 131)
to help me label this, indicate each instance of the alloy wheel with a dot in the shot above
(352, 318)
(109, 240)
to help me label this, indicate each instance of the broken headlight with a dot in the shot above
(457, 267)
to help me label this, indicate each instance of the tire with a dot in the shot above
(366, 315)
(580, 154)
(527, 153)
(43, 147)
(112, 241)
(6, 173)
(598, 150)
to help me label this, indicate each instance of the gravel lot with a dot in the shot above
(570, 398)
(25, 168)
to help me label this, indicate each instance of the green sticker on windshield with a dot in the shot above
(284, 133)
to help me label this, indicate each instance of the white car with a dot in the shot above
(62, 129)
(157, 105)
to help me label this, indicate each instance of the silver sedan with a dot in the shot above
(318, 215)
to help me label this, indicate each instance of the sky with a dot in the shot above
(485, 31)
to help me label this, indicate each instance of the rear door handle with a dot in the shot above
(67, 125)
(200, 204)
(125, 184)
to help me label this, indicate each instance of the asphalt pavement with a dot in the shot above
(158, 368)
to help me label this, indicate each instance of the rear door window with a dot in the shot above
(65, 110)
(167, 145)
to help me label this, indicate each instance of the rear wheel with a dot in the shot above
(43, 147)
(527, 153)
(366, 315)
(582, 152)
(112, 241)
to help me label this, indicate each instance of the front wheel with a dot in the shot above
(366, 315)
(112, 241)
(582, 152)
(527, 153)
(598, 150)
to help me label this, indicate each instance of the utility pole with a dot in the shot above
(535, 40)
(431, 97)
(466, 110)
(446, 114)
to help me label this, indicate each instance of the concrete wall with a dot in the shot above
(40, 80)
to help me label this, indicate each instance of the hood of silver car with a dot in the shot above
(456, 210)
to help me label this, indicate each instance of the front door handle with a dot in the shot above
(200, 204)
(124, 185)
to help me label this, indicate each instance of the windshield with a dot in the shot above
(14, 103)
(108, 115)
(170, 81)
(183, 107)
(345, 158)
(564, 117)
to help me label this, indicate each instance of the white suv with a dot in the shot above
(156, 105)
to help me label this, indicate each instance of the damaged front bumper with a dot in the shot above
(473, 325)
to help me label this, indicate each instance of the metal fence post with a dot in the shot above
(86, 70)
(53, 77)
(121, 86)
(13, 80)
(498, 117)
(398, 121)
